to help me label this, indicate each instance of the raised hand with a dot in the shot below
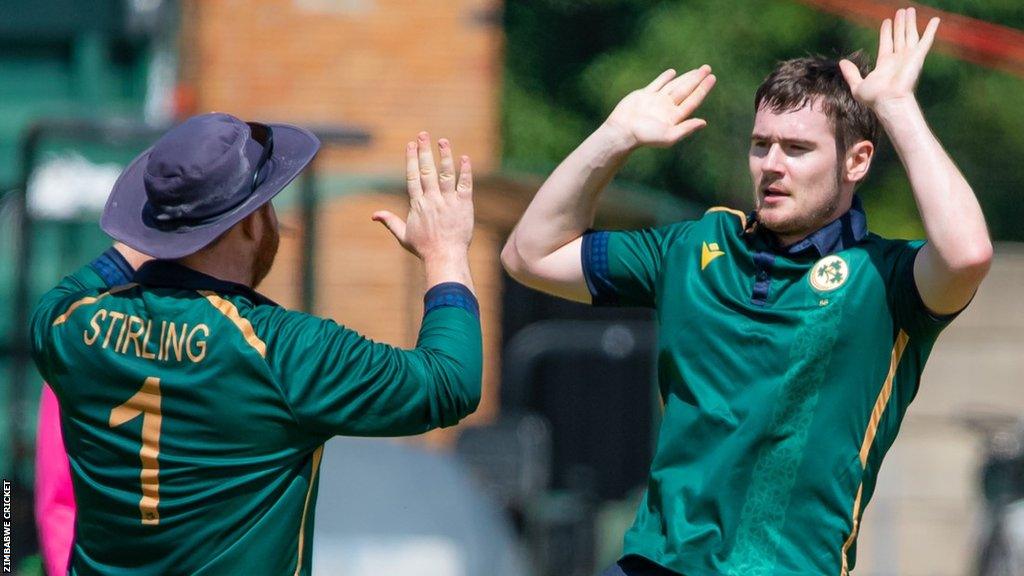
(440, 222)
(901, 54)
(659, 114)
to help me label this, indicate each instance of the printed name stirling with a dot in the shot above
(177, 341)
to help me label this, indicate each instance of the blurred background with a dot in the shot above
(545, 477)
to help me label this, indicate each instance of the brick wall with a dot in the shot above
(392, 67)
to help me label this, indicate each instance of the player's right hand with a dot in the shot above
(901, 54)
(659, 114)
(439, 226)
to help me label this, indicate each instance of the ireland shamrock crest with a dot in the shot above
(829, 273)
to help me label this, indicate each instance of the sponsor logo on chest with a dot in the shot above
(709, 252)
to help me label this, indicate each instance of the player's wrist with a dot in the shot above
(616, 138)
(895, 108)
(448, 268)
(445, 256)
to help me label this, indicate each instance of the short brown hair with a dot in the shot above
(795, 83)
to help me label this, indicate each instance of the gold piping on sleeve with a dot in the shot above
(305, 508)
(90, 300)
(869, 435)
(229, 310)
(733, 211)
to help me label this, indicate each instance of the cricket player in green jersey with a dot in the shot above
(791, 340)
(194, 409)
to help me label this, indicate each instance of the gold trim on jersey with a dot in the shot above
(305, 508)
(90, 300)
(231, 312)
(733, 211)
(869, 436)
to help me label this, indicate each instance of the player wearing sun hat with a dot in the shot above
(194, 409)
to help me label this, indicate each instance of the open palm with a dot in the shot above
(659, 113)
(901, 54)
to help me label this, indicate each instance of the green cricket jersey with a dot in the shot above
(195, 411)
(785, 374)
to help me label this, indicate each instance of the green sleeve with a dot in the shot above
(339, 383)
(107, 270)
(84, 282)
(623, 268)
(908, 310)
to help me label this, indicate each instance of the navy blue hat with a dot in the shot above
(200, 179)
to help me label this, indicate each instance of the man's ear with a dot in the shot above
(250, 225)
(858, 161)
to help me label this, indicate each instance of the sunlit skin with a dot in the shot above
(245, 253)
(793, 165)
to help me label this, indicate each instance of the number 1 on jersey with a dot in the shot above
(145, 402)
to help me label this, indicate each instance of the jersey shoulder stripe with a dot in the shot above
(737, 213)
(90, 300)
(230, 311)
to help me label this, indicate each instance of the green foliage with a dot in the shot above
(538, 140)
(568, 63)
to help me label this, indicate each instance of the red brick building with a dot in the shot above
(392, 68)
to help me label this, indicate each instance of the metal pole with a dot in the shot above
(20, 304)
(307, 255)
(309, 203)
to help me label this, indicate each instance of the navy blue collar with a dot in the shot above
(170, 274)
(844, 232)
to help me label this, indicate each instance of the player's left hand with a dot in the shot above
(440, 222)
(901, 54)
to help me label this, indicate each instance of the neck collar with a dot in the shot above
(844, 232)
(170, 274)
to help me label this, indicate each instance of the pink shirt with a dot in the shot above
(55, 500)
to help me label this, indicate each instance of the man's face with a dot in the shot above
(266, 248)
(793, 164)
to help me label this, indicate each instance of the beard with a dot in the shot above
(266, 251)
(806, 221)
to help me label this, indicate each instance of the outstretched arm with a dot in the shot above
(543, 251)
(342, 383)
(949, 268)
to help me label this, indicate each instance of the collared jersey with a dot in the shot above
(785, 374)
(195, 411)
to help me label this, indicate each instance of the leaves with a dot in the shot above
(569, 63)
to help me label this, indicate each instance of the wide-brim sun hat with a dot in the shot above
(201, 178)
